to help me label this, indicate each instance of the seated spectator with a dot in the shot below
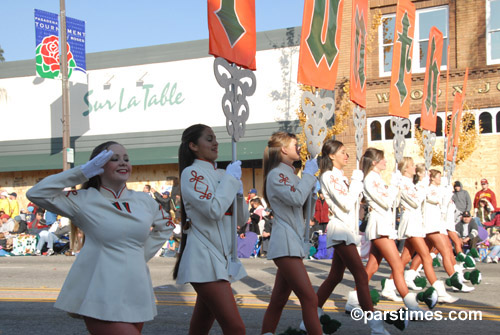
(6, 224)
(483, 211)
(29, 214)
(20, 226)
(53, 234)
(467, 230)
(14, 205)
(38, 224)
(494, 241)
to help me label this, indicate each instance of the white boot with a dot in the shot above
(303, 326)
(488, 259)
(443, 296)
(495, 259)
(389, 291)
(352, 302)
(377, 327)
(411, 302)
(410, 276)
(420, 267)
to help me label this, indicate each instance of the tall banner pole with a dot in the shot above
(65, 87)
(232, 40)
(446, 130)
(318, 65)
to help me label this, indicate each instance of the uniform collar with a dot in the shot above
(205, 164)
(109, 193)
(288, 166)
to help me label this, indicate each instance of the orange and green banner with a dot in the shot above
(320, 43)
(399, 100)
(232, 36)
(431, 81)
(453, 129)
(359, 24)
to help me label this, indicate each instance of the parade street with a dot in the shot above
(30, 285)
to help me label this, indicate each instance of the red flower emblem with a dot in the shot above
(50, 52)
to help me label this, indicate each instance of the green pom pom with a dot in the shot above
(469, 262)
(460, 257)
(331, 327)
(474, 277)
(324, 319)
(473, 252)
(400, 323)
(420, 281)
(383, 283)
(375, 296)
(454, 281)
(435, 262)
(429, 297)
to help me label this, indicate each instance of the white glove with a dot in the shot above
(234, 169)
(94, 166)
(357, 175)
(396, 178)
(311, 166)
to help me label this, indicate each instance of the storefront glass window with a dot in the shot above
(485, 122)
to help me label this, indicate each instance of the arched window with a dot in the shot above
(439, 127)
(498, 122)
(485, 122)
(417, 122)
(375, 131)
(389, 135)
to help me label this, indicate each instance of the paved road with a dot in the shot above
(29, 286)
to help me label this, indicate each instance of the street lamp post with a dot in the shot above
(65, 87)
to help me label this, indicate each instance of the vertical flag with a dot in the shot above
(454, 126)
(47, 44)
(232, 35)
(359, 23)
(75, 35)
(320, 43)
(431, 81)
(399, 100)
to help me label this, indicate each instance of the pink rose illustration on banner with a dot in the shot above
(47, 58)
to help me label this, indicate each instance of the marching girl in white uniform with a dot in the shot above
(343, 231)
(434, 226)
(380, 229)
(109, 283)
(286, 194)
(411, 228)
(205, 261)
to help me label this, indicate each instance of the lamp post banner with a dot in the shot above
(75, 34)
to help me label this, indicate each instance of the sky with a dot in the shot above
(121, 24)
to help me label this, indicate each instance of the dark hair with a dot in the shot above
(330, 147)
(370, 156)
(432, 174)
(95, 181)
(272, 155)
(186, 158)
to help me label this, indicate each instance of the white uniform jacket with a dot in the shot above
(207, 193)
(109, 279)
(341, 199)
(432, 209)
(287, 194)
(380, 199)
(412, 198)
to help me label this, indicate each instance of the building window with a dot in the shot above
(389, 135)
(485, 122)
(375, 131)
(424, 20)
(498, 122)
(493, 31)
